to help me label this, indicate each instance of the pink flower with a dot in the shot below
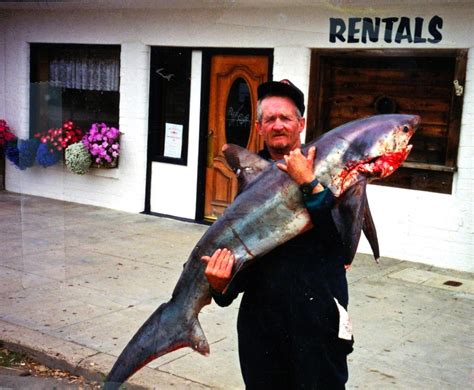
(61, 138)
(102, 142)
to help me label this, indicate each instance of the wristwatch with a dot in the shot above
(307, 188)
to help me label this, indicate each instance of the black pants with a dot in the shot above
(292, 344)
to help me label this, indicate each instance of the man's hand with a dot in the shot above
(300, 168)
(219, 269)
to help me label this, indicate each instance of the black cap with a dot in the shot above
(282, 88)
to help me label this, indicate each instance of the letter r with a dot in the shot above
(337, 27)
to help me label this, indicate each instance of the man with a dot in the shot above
(288, 321)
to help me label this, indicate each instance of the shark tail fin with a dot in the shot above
(166, 330)
(245, 164)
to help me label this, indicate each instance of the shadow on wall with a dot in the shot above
(2, 171)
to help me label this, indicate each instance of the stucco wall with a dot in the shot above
(421, 226)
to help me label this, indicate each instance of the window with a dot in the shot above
(73, 82)
(347, 85)
(170, 84)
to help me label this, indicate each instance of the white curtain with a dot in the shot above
(85, 69)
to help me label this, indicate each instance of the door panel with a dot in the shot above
(232, 105)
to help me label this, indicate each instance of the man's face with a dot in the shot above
(280, 125)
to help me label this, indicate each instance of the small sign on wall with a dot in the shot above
(173, 140)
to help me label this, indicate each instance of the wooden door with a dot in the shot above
(232, 105)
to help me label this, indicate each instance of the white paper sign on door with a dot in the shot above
(173, 140)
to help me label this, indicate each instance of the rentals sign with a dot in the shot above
(392, 29)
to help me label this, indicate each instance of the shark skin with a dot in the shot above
(268, 212)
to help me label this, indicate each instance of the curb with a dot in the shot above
(79, 360)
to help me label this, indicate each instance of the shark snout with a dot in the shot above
(416, 120)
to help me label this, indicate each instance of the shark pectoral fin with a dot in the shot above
(246, 164)
(348, 215)
(368, 227)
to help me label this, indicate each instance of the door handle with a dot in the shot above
(210, 148)
(458, 88)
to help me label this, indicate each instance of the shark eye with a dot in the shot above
(406, 129)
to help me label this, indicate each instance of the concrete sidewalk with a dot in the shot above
(77, 281)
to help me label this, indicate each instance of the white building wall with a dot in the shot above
(413, 225)
(2, 65)
(293, 63)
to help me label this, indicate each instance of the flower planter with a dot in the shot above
(106, 165)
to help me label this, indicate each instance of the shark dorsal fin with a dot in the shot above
(245, 164)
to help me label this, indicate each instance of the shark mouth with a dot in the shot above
(385, 164)
(375, 167)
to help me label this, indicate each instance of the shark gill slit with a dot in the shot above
(236, 235)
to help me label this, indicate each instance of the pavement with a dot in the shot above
(77, 281)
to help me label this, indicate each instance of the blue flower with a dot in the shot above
(12, 153)
(45, 158)
(27, 150)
